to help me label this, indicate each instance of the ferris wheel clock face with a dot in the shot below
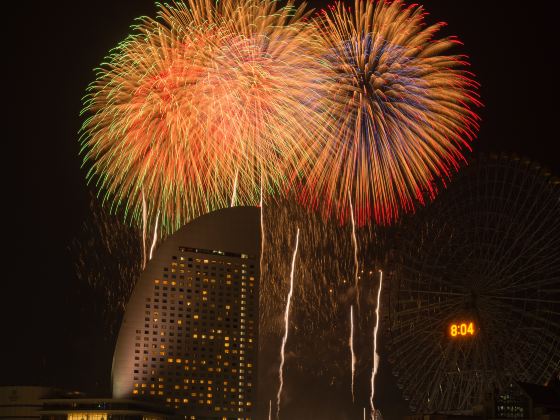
(462, 329)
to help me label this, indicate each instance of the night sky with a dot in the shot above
(53, 334)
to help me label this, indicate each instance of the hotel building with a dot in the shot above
(189, 334)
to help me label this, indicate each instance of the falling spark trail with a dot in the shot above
(144, 227)
(261, 269)
(356, 286)
(375, 352)
(234, 194)
(286, 325)
(155, 237)
(355, 243)
(262, 231)
(351, 344)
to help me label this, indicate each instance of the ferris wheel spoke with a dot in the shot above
(553, 313)
(537, 268)
(419, 382)
(432, 292)
(532, 268)
(427, 394)
(426, 308)
(411, 361)
(523, 299)
(410, 346)
(422, 276)
(451, 377)
(531, 240)
(525, 233)
(540, 285)
(548, 326)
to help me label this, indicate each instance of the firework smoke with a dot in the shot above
(108, 258)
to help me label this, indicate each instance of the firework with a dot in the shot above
(324, 290)
(234, 193)
(206, 96)
(374, 412)
(286, 328)
(402, 112)
(154, 241)
(352, 353)
(144, 228)
(355, 246)
(324, 287)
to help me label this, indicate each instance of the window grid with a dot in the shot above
(198, 347)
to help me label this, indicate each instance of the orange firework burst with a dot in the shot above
(402, 112)
(206, 96)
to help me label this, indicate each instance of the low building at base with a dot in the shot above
(44, 403)
(103, 409)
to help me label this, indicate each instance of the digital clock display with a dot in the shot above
(462, 329)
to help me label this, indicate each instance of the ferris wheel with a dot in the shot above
(474, 301)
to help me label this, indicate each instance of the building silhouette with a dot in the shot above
(189, 334)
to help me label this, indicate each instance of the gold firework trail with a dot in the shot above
(375, 352)
(352, 354)
(286, 327)
(356, 263)
(144, 227)
(155, 237)
(234, 194)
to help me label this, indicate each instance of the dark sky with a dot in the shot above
(50, 51)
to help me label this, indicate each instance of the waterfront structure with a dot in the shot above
(103, 409)
(189, 334)
(23, 402)
(44, 403)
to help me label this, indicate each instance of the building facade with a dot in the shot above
(103, 409)
(43, 403)
(23, 402)
(189, 334)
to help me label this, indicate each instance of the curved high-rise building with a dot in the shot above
(189, 333)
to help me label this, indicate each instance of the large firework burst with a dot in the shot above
(402, 112)
(206, 101)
